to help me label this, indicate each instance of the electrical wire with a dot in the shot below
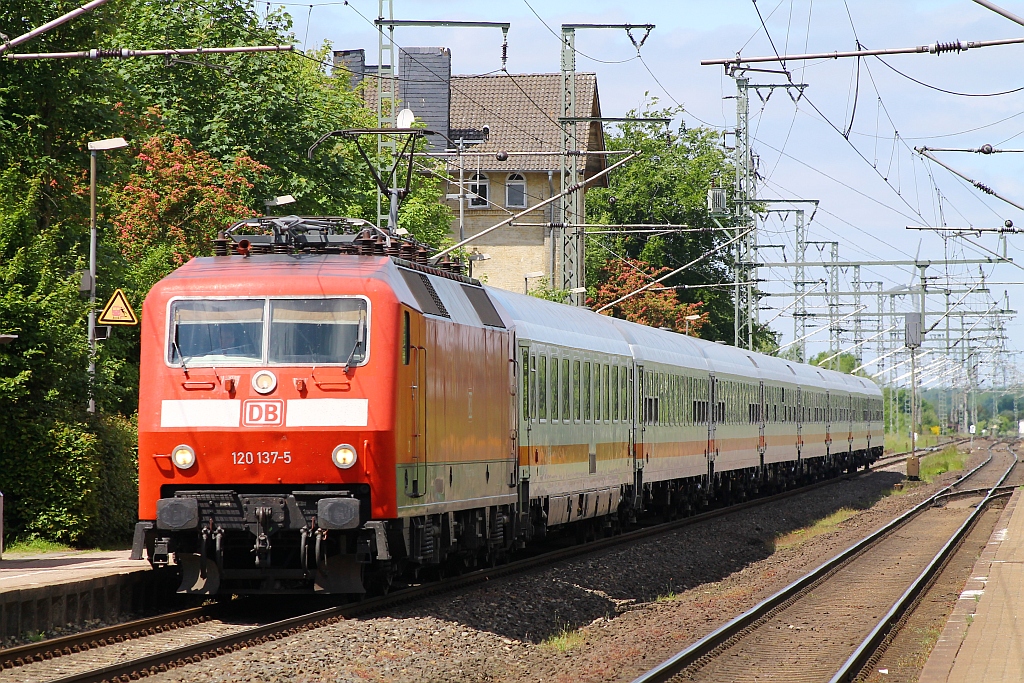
(574, 49)
(948, 92)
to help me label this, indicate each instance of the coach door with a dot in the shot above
(849, 423)
(636, 432)
(828, 425)
(414, 377)
(799, 424)
(762, 415)
(713, 418)
(527, 369)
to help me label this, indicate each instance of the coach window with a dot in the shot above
(554, 388)
(615, 393)
(542, 387)
(566, 396)
(586, 391)
(606, 393)
(576, 391)
(597, 392)
(515, 191)
(479, 190)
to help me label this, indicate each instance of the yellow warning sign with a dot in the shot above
(118, 311)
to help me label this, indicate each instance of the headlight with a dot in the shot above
(183, 457)
(264, 382)
(344, 456)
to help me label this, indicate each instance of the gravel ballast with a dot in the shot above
(602, 617)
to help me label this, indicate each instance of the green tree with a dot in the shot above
(668, 184)
(239, 125)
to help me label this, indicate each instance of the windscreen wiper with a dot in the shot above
(360, 340)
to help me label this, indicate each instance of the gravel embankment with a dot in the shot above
(605, 617)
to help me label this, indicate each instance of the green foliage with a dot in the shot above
(947, 460)
(237, 126)
(844, 362)
(668, 184)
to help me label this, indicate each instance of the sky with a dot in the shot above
(871, 184)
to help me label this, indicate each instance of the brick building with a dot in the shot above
(496, 113)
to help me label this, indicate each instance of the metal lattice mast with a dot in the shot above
(858, 334)
(833, 300)
(572, 276)
(745, 192)
(800, 284)
(387, 106)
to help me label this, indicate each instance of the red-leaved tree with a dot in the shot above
(656, 306)
(178, 198)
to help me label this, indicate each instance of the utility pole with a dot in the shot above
(387, 105)
(745, 293)
(571, 240)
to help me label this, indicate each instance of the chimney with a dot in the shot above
(350, 64)
(425, 75)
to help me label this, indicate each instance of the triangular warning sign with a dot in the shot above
(118, 311)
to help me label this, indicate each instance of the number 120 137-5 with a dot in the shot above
(260, 457)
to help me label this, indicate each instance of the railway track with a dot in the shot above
(185, 637)
(829, 624)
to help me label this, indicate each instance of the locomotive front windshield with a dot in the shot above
(301, 331)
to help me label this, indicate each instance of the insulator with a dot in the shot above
(281, 249)
(422, 255)
(984, 188)
(220, 246)
(938, 48)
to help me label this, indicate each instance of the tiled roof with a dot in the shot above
(522, 111)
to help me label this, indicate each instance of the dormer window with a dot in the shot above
(515, 191)
(479, 188)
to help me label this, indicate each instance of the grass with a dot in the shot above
(900, 443)
(565, 640)
(946, 460)
(822, 526)
(34, 545)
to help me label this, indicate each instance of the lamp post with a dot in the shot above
(688, 319)
(95, 146)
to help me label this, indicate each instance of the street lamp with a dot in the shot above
(95, 146)
(529, 276)
(688, 319)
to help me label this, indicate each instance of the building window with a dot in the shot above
(479, 188)
(515, 191)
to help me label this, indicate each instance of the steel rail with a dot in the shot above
(870, 645)
(88, 640)
(189, 654)
(706, 645)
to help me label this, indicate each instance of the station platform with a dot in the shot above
(983, 640)
(44, 592)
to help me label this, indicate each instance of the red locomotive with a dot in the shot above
(320, 410)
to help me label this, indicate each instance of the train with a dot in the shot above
(323, 410)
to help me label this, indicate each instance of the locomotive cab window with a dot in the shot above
(318, 331)
(221, 331)
(302, 331)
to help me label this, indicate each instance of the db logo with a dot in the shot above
(263, 413)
